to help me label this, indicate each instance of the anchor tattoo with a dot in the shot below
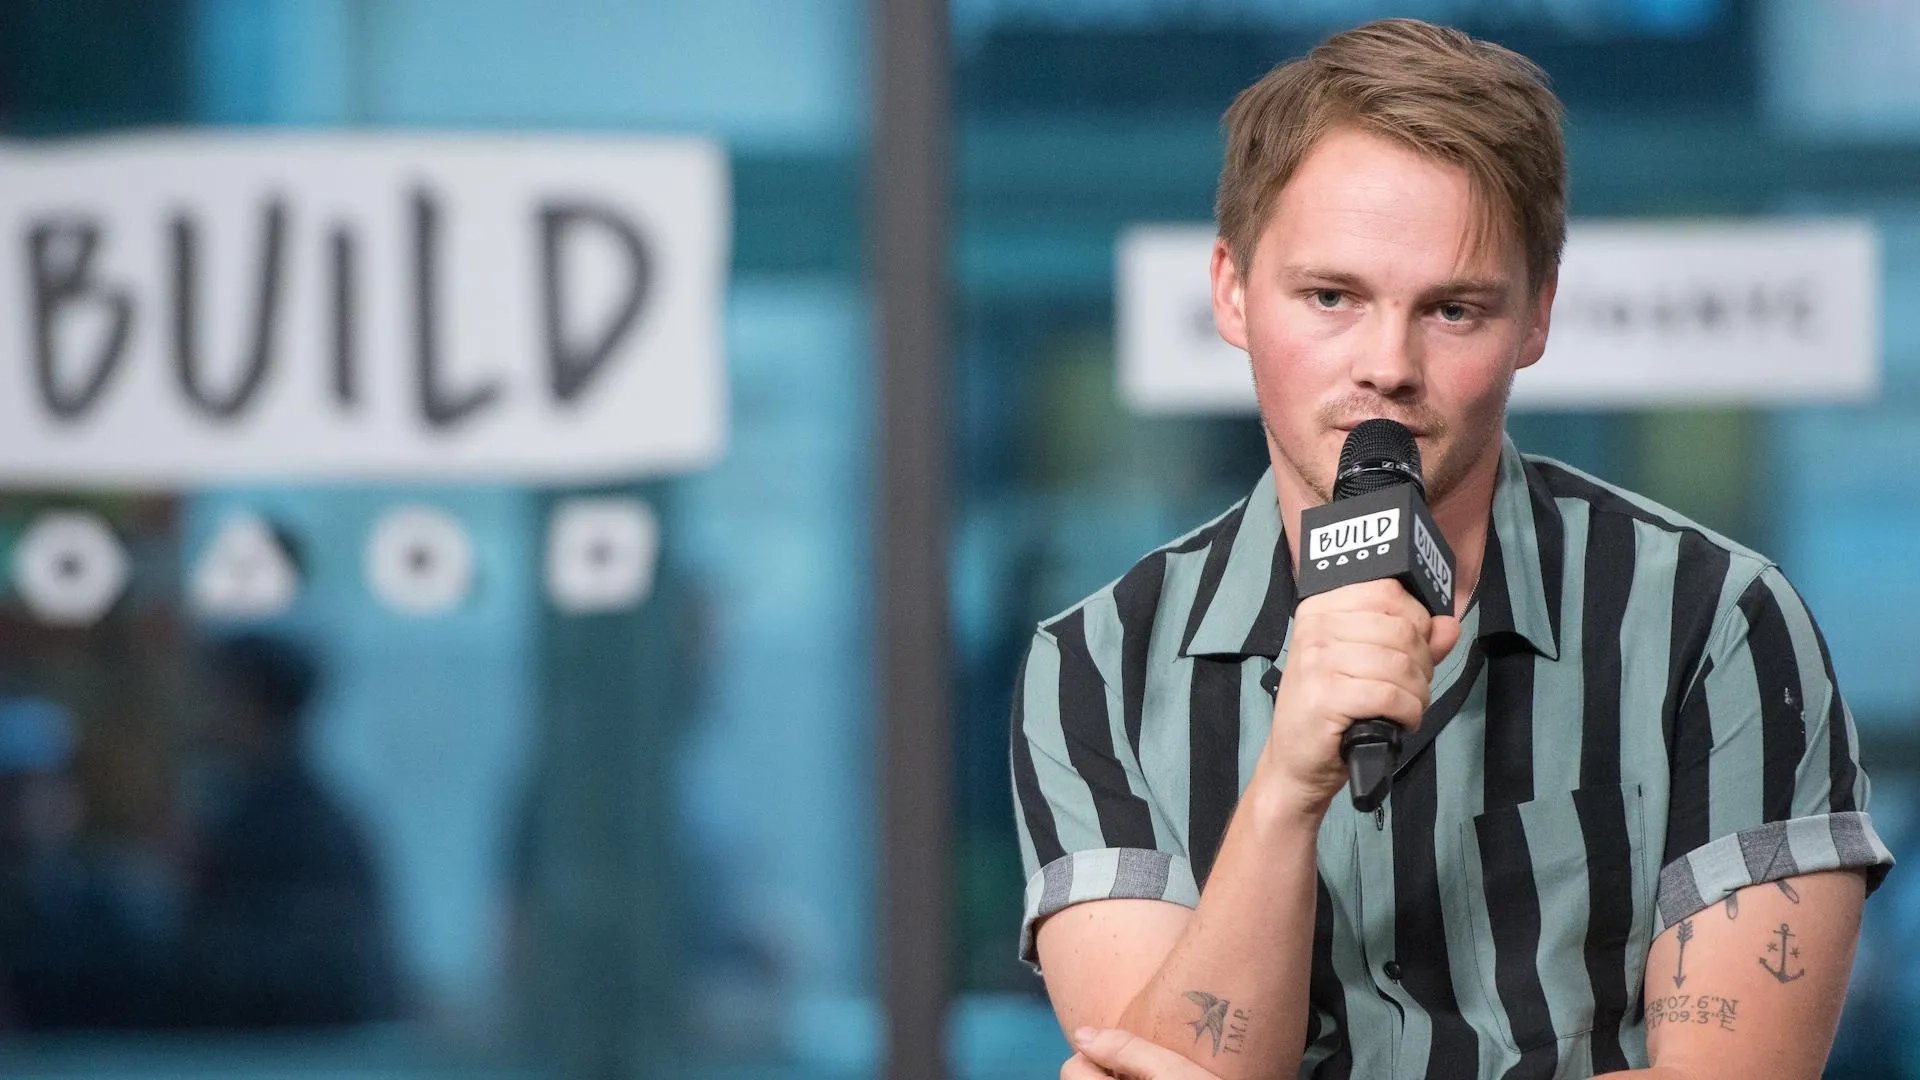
(1781, 947)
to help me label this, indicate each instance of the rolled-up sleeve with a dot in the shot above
(1767, 779)
(1088, 826)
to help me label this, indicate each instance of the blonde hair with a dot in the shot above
(1448, 96)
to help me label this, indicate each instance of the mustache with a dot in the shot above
(1345, 412)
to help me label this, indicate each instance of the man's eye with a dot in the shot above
(1327, 298)
(1455, 312)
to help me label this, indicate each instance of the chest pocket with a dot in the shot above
(1559, 940)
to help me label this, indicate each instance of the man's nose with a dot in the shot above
(1390, 362)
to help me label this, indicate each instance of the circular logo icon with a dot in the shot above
(69, 568)
(419, 561)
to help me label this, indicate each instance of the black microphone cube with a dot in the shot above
(1382, 534)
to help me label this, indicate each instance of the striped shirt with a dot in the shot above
(1640, 718)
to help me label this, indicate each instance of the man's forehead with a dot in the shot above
(1477, 257)
(1361, 200)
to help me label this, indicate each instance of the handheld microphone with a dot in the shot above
(1377, 526)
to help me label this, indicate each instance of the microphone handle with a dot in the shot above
(1371, 749)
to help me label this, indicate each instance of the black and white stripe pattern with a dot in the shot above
(1640, 718)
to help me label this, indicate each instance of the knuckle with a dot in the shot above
(1416, 711)
(1390, 701)
(1368, 698)
(1396, 703)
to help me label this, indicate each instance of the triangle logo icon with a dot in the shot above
(245, 572)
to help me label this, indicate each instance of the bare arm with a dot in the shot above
(1752, 986)
(1710, 1013)
(1226, 984)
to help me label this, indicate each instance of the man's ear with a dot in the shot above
(1541, 315)
(1229, 296)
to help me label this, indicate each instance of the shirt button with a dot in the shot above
(1392, 968)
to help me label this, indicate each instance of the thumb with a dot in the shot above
(1443, 633)
(1128, 1056)
(1106, 1047)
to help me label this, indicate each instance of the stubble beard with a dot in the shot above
(1443, 471)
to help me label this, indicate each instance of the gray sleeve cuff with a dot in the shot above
(1103, 874)
(1770, 852)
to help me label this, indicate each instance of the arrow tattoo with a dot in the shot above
(1679, 967)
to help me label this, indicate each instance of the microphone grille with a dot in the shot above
(1378, 454)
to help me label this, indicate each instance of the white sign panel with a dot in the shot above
(1751, 312)
(179, 309)
(1171, 356)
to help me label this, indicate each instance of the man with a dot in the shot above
(1628, 831)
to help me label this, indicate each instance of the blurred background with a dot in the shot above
(512, 838)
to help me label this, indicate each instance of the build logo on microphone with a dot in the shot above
(1355, 538)
(1435, 564)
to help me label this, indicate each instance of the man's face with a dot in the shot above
(1363, 299)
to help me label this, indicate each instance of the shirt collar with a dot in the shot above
(1246, 600)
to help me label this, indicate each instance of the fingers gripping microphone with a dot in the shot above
(1377, 526)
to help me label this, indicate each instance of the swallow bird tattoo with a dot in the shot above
(1213, 1017)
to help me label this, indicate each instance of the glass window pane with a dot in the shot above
(428, 816)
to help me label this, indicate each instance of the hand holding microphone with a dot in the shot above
(1376, 588)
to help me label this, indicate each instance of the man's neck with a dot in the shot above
(1464, 516)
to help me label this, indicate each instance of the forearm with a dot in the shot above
(1246, 953)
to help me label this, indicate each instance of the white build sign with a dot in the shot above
(1648, 313)
(181, 309)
